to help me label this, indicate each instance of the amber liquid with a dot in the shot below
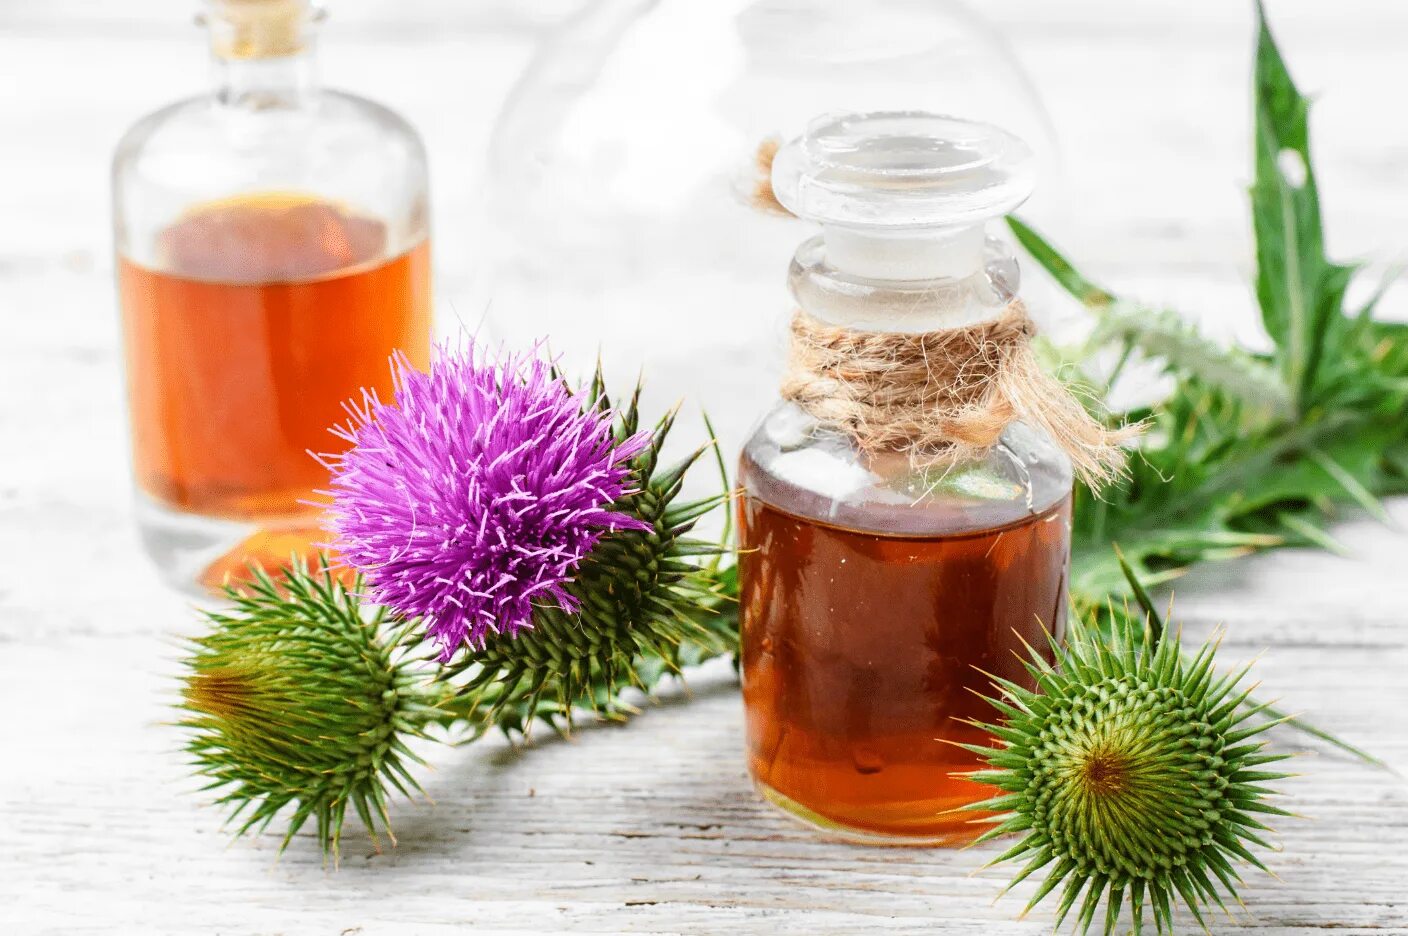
(267, 313)
(862, 656)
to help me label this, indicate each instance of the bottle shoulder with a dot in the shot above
(796, 465)
(336, 148)
(334, 129)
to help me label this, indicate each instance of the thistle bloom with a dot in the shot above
(474, 495)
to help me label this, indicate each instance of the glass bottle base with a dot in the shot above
(199, 554)
(963, 831)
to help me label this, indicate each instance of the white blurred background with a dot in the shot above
(1149, 102)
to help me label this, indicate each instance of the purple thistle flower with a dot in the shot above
(477, 492)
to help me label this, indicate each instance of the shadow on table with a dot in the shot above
(679, 762)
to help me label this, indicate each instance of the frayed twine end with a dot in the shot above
(761, 195)
(945, 397)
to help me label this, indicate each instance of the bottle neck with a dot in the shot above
(263, 53)
(835, 294)
(937, 253)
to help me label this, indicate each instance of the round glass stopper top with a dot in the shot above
(902, 169)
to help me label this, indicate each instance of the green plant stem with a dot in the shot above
(513, 708)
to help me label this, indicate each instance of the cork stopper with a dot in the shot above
(260, 29)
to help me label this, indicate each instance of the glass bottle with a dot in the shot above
(272, 254)
(876, 594)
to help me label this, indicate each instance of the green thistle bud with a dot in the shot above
(1134, 774)
(297, 698)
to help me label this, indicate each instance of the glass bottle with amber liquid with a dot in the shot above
(272, 245)
(880, 593)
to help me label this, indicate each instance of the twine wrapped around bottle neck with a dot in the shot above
(944, 397)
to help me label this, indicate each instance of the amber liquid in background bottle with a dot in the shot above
(862, 655)
(266, 315)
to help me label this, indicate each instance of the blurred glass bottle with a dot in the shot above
(614, 220)
(272, 253)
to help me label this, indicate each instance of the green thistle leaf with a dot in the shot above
(1160, 334)
(1248, 452)
(1183, 350)
(1134, 774)
(1300, 291)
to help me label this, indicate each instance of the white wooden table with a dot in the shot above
(651, 828)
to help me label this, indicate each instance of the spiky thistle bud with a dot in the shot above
(1134, 773)
(298, 697)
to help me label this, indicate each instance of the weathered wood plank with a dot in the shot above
(563, 836)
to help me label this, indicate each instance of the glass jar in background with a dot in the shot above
(621, 166)
(878, 596)
(272, 243)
